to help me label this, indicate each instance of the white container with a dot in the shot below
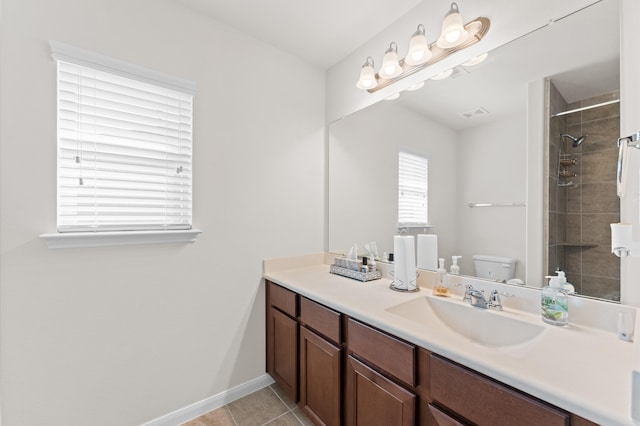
(496, 268)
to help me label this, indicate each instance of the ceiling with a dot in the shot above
(321, 32)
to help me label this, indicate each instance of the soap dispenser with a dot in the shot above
(441, 288)
(555, 302)
(564, 284)
(455, 269)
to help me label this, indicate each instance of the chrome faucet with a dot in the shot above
(475, 297)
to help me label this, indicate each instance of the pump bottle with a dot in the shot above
(555, 302)
(454, 269)
(441, 288)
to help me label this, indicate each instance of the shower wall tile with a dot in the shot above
(600, 198)
(599, 166)
(605, 288)
(607, 111)
(593, 205)
(574, 199)
(600, 262)
(573, 229)
(596, 228)
(573, 260)
(601, 134)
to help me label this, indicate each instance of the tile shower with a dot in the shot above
(581, 198)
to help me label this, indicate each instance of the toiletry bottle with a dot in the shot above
(555, 303)
(455, 269)
(564, 284)
(365, 267)
(441, 287)
(372, 264)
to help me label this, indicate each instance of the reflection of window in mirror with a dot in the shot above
(412, 190)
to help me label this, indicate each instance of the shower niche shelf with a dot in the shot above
(579, 245)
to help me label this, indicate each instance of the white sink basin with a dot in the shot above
(483, 326)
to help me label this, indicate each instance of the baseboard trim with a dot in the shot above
(199, 408)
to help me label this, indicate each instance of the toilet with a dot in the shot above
(495, 268)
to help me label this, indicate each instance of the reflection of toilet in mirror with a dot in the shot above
(495, 268)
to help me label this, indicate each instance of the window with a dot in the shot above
(412, 190)
(124, 145)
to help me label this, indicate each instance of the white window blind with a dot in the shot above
(412, 190)
(124, 152)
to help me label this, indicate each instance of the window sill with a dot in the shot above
(125, 238)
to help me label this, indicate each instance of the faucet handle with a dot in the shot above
(494, 300)
(467, 293)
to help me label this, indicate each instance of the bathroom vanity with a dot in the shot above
(358, 353)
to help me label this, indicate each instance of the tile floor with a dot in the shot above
(267, 406)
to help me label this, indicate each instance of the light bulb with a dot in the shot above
(367, 76)
(453, 32)
(419, 52)
(390, 65)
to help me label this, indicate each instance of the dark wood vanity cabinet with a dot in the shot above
(380, 378)
(282, 338)
(304, 353)
(342, 371)
(320, 363)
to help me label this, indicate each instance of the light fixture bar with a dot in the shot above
(477, 29)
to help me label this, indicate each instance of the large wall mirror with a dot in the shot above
(473, 128)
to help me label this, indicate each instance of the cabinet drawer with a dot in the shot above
(388, 353)
(283, 299)
(321, 319)
(486, 402)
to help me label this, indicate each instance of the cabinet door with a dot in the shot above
(440, 418)
(319, 378)
(282, 351)
(372, 399)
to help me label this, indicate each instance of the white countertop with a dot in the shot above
(582, 369)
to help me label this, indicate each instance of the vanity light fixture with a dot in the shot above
(475, 61)
(392, 97)
(390, 65)
(419, 51)
(367, 79)
(415, 86)
(453, 32)
(443, 74)
(454, 37)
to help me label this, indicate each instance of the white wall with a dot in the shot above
(120, 336)
(491, 168)
(363, 175)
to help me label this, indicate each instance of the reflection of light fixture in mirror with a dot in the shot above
(367, 75)
(390, 65)
(442, 75)
(415, 86)
(419, 52)
(475, 61)
(392, 97)
(453, 32)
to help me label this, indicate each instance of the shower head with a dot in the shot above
(576, 141)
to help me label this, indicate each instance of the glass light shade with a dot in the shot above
(415, 86)
(419, 52)
(367, 77)
(442, 75)
(392, 97)
(390, 66)
(453, 33)
(475, 61)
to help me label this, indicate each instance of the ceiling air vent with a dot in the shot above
(476, 112)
